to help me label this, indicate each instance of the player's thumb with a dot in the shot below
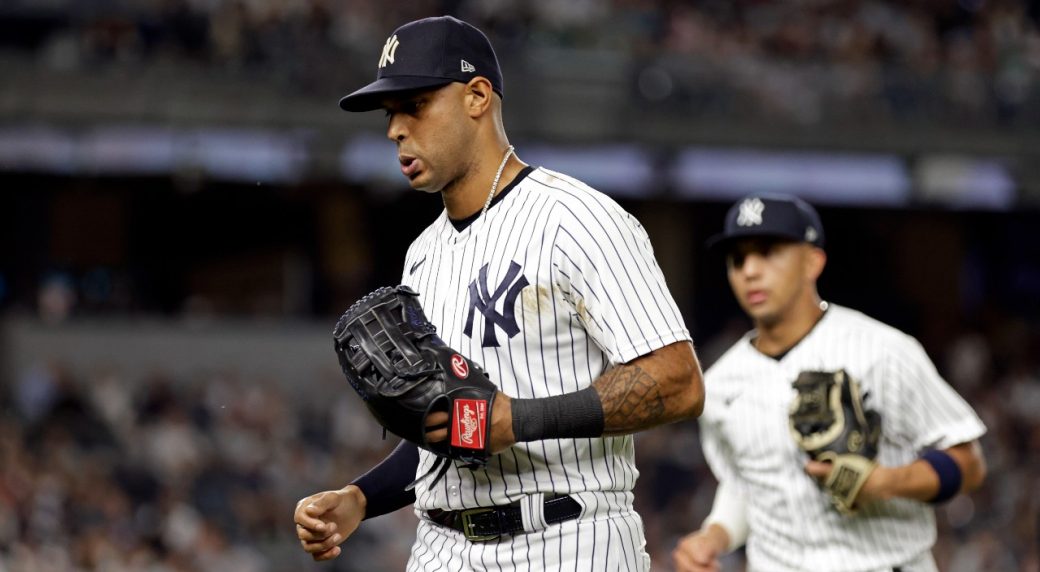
(817, 469)
(322, 503)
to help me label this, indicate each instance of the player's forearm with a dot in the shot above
(661, 387)
(727, 524)
(920, 481)
(382, 488)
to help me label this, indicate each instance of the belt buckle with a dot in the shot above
(468, 524)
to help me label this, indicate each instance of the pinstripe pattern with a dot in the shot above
(595, 298)
(745, 437)
(607, 545)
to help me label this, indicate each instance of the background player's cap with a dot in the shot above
(770, 215)
(428, 53)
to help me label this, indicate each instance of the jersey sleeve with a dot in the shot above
(729, 510)
(604, 266)
(384, 485)
(717, 452)
(930, 413)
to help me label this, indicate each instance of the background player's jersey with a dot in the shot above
(745, 435)
(550, 288)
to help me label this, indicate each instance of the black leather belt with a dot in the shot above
(490, 522)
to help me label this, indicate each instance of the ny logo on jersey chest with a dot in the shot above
(482, 300)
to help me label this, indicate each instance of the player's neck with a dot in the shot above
(467, 195)
(776, 337)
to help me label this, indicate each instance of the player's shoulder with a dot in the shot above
(732, 364)
(860, 328)
(572, 194)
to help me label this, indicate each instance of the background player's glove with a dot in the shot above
(828, 421)
(403, 371)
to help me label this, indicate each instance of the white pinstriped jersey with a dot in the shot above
(551, 287)
(745, 435)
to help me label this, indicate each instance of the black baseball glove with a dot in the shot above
(828, 421)
(403, 371)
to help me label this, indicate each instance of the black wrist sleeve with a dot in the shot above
(572, 415)
(384, 483)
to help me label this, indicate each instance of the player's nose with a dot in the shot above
(752, 265)
(396, 130)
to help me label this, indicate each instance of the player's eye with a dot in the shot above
(408, 107)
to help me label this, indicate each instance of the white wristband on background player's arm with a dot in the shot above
(730, 512)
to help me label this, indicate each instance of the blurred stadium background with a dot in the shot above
(185, 211)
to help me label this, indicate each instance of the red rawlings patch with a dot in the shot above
(467, 423)
(459, 366)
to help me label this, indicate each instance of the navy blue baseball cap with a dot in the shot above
(771, 216)
(428, 53)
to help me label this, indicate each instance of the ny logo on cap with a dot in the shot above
(388, 51)
(750, 212)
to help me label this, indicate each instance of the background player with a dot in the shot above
(555, 290)
(767, 494)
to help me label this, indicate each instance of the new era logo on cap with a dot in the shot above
(467, 67)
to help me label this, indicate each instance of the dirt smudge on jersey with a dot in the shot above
(582, 311)
(535, 299)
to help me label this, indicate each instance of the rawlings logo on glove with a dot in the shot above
(468, 419)
(828, 421)
(392, 356)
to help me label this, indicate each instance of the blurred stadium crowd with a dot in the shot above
(975, 61)
(99, 472)
(102, 472)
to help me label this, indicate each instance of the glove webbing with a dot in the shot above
(374, 354)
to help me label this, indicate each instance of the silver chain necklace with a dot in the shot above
(494, 184)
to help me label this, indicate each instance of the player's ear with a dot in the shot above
(817, 260)
(478, 96)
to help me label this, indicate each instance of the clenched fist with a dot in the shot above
(324, 520)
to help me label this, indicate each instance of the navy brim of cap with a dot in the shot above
(372, 95)
(723, 242)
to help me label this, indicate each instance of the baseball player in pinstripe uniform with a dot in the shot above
(555, 290)
(769, 492)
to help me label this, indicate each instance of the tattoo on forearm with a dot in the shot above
(631, 399)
